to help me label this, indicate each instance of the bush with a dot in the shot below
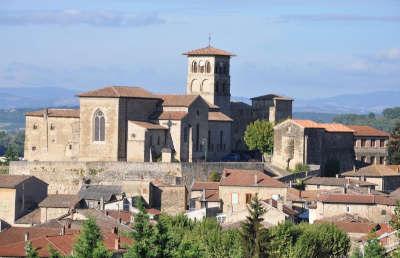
(300, 167)
(214, 177)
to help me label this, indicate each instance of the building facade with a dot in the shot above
(370, 145)
(121, 123)
(307, 142)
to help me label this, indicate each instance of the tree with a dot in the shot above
(373, 249)
(143, 234)
(11, 154)
(259, 135)
(30, 251)
(356, 253)
(254, 235)
(392, 113)
(394, 145)
(54, 253)
(214, 177)
(89, 243)
(283, 237)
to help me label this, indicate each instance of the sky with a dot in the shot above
(299, 48)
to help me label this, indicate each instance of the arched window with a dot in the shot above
(208, 67)
(201, 66)
(194, 67)
(99, 126)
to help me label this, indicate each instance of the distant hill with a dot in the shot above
(318, 117)
(35, 97)
(350, 103)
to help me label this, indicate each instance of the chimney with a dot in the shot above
(116, 243)
(337, 175)
(255, 179)
(290, 184)
(62, 231)
(369, 190)
(26, 236)
(203, 195)
(102, 203)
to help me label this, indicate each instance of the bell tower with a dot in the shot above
(208, 76)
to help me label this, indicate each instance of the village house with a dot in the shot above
(370, 145)
(19, 195)
(330, 183)
(205, 195)
(122, 123)
(238, 187)
(305, 142)
(376, 208)
(386, 177)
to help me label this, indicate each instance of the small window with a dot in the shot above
(235, 198)
(248, 198)
(194, 67)
(363, 141)
(381, 160)
(372, 143)
(52, 127)
(35, 126)
(33, 148)
(372, 160)
(347, 208)
(70, 146)
(382, 143)
(383, 212)
(208, 67)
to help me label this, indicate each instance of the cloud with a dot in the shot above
(76, 17)
(391, 54)
(332, 17)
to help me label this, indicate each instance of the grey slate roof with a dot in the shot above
(96, 192)
(60, 201)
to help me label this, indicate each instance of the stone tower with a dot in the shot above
(208, 76)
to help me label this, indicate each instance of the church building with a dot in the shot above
(123, 123)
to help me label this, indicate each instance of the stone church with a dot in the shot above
(121, 123)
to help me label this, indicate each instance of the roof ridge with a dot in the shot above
(115, 91)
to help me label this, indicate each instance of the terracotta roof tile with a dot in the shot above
(218, 116)
(236, 177)
(60, 201)
(174, 100)
(55, 112)
(302, 196)
(208, 51)
(333, 181)
(120, 92)
(306, 123)
(363, 130)
(352, 227)
(375, 171)
(198, 186)
(212, 196)
(124, 215)
(11, 181)
(173, 115)
(333, 127)
(357, 198)
(149, 125)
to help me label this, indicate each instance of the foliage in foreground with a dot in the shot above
(177, 236)
(394, 145)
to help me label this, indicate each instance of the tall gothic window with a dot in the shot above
(194, 67)
(99, 126)
(208, 67)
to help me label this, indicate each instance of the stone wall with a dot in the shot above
(67, 177)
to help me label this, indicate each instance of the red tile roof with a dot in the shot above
(364, 130)
(11, 181)
(208, 51)
(333, 127)
(199, 186)
(173, 115)
(352, 227)
(375, 171)
(55, 112)
(357, 199)
(149, 125)
(125, 216)
(301, 196)
(120, 92)
(333, 181)
(62, 243)
(174, 100)
(237, 177)
(218, 116)
(212, 196)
